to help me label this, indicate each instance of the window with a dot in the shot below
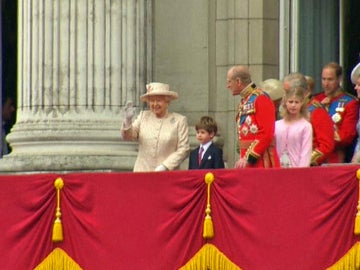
(310, 36)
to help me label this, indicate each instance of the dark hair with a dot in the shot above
(207, 123)
(335, 66)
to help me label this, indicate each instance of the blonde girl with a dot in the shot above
(293, 133)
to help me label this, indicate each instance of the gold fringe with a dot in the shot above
(357, 218)
(208, 230)
(58, 259)
(209, 257)
(57, 235)
(350, 261)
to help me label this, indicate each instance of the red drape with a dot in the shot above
(263, 218)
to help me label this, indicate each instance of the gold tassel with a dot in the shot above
(208, 231)
(57, 235)
(208, 228)
(357, 218)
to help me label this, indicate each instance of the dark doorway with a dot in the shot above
(8, 67)
(351, 40)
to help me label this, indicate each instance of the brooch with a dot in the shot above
(245, 130)
(248, 120)
(336, 118)
(253, 129)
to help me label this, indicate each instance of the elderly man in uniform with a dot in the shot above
(255, 119)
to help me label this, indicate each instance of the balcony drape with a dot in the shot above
(262, 218)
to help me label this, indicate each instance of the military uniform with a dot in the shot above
(343, 109)
(256, 124)
(323, 133)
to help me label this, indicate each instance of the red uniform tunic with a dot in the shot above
(344, 112)
(323, 133)
(256, 124)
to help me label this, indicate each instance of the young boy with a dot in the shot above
(207, 155)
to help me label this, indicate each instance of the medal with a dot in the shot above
(253, 129)
(245, 131)
(340, 107)
(336, 118)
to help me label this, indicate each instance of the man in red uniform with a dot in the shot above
(255, 119)
(323, 131)
(343, 109)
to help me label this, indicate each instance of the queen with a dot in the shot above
(163, 136)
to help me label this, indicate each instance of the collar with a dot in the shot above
(336, 94)
(248, 90)
(206, 146)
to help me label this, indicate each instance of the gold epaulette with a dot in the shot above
(316, 104)
(258, 91)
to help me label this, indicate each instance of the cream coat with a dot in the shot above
(161, 140)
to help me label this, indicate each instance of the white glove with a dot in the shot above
(160, 168)
(129, 113)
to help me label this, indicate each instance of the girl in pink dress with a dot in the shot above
(293, 133)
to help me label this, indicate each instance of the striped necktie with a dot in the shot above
(200, 154)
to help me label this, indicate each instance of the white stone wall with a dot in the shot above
(195, 42)
(79, 62)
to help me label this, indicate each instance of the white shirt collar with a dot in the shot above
(206, 146)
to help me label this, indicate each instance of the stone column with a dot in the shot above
(78, 63)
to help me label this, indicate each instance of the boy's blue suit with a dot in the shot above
(212, 158)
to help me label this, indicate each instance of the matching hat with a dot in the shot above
(273, 88)
(158, 89)
(355, 73)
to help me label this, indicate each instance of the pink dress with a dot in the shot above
(294, 142)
